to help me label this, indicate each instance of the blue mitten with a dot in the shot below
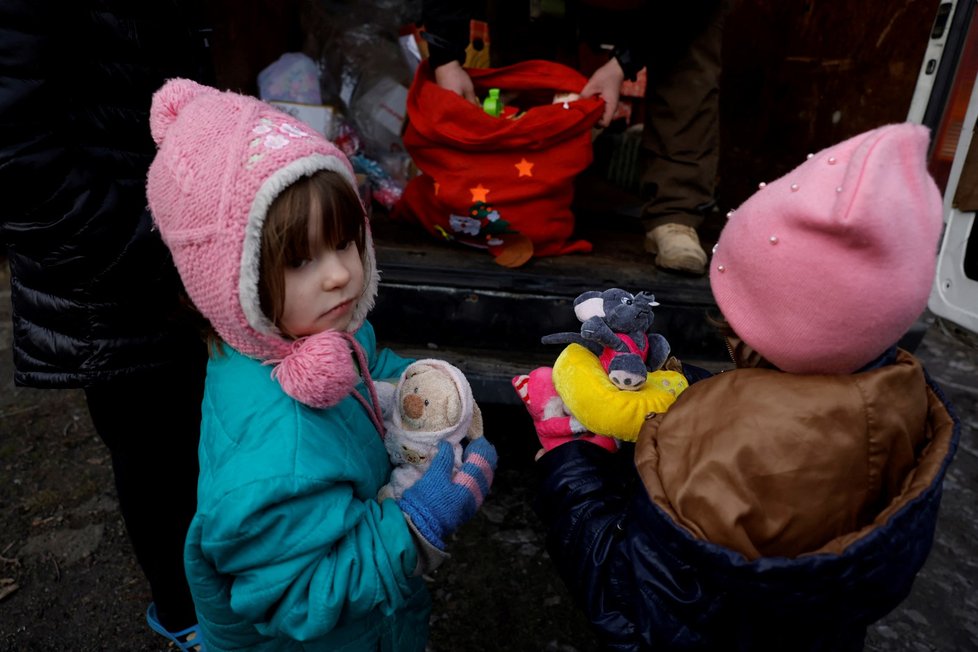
(439, 503)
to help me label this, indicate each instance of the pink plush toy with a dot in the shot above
(554, 423)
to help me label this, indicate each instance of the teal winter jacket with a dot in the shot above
(289, 549)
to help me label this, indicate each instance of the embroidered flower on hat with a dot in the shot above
(272, 136)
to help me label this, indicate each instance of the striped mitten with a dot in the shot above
(439, 502)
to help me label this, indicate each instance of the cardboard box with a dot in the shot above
(379, 115)
(322, 118)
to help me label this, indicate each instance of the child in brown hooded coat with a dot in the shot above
(789, 503)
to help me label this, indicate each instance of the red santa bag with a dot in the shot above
(500, 183)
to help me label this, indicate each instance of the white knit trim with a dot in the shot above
(371, 277)
(251, 250)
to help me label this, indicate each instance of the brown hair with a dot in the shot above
(721, 325)
(287, 238)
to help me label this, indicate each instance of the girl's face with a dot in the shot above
(322, 290)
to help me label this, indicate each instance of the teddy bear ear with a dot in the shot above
(475, 428)
(453, 404)
(169, 101)
(416, 368)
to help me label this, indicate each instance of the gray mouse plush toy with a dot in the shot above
(616, 328)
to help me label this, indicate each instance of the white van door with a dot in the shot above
(946, 100)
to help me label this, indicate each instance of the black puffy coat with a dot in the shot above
(93, 290)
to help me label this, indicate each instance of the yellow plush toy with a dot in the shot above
(599, 405)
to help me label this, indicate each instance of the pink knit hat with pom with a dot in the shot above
(222, 159)
(824, 269)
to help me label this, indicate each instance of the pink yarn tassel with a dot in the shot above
(319, 371)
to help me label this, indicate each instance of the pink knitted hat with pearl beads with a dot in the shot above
(222, 159)
(824, 269)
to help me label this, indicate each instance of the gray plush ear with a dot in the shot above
(590, 304)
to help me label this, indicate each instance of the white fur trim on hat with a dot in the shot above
(251, 252)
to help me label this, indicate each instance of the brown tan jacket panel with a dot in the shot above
(775, 464)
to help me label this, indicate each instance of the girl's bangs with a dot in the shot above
(341, 217)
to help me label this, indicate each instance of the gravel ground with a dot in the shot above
(68, 580)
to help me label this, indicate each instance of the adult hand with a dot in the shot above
(452, 77)
(606, 82)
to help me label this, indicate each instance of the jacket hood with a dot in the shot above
(723, 483)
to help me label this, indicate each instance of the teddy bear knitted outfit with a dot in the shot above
(222, 159)
(399, 435)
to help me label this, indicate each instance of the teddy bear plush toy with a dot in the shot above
(431, 402)
(615, 326)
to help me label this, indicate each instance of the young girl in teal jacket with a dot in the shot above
(289, 548)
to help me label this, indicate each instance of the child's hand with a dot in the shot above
(439, 503)
(551, 440)
(578, 433)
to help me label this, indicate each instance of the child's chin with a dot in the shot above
(338, 323)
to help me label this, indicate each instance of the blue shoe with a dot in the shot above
(188, 640)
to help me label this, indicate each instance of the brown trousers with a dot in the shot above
(680, 140)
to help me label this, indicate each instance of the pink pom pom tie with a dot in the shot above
(319, 372)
